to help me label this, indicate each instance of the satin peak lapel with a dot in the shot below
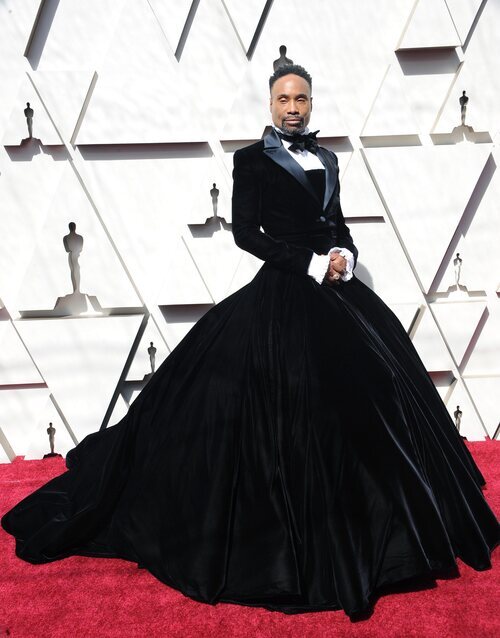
(331, 174)
(274, 149)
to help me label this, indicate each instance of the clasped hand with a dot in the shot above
(336, 268)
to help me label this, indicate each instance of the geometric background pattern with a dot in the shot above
(138, 108)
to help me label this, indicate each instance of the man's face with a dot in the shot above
(291, 103)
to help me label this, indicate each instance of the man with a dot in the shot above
(271, 189)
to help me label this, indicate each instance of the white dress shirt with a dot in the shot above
(319, 263)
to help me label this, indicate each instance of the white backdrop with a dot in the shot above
(138, 108)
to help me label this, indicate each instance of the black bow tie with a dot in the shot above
(301, 141)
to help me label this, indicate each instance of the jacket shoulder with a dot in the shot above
(250, 151)
(330, 152)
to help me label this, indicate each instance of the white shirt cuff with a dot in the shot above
(318, 266)
(349, 257)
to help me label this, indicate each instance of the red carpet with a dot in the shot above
(97, 597)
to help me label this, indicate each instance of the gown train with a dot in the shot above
(291, 452)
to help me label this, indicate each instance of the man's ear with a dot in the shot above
(311, 103)
(271, 104)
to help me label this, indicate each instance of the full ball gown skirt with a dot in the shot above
(291, 453)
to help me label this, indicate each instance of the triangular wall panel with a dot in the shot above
(427, 190)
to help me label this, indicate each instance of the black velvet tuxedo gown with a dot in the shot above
(291, 453)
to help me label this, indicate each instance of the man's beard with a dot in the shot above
(296, 130)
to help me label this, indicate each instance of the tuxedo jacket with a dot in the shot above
(271, 189)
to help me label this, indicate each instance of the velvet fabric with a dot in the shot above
(271, 189)
(291, 452)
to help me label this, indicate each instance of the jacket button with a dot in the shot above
(322, 219)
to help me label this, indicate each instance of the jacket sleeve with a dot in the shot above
(344, 238)
(246, 217)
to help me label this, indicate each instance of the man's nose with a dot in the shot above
(292, 107)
